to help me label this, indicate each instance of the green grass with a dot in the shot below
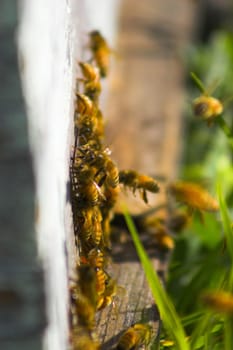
(171, 320)
(200, 329)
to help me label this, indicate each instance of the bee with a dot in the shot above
(84, 105)
(101, 280)
(88, 230)
(164, 239)
(136, 181)
(87, 283)
(106, 298)
(206, 106)
(86, 192)
(159, 231)
(219, 301)
(101, 52)
(91, 81)
(104, 165)
(89, 72)
(193, 195)
(82, 308)
(135, 336)
(81, 340)
(96, 258)
(84, 297)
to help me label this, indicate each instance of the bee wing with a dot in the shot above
(212, 87)
(227, 100)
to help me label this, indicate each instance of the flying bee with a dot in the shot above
(101, 52)
(134, 337)
(136, 181)
(193, 195)
(206, 106)
(219, 301)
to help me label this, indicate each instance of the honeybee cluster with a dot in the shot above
(95, 187)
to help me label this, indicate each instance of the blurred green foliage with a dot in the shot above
(201, 260)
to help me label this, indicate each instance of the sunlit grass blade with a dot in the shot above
(197, 82)
(171, 320)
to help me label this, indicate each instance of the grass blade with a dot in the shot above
(197, 82)
(166, 308)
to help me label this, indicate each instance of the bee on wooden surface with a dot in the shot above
(193, 195)
(101, 52)
(84, 105)
(96, 258)
(135, 336)
(104, 165)
(84, 298)
(88, 194)
(82, 340)
(87, 283)
(89, 72)
(219, 301)
(88, 229)
(91, 81)
(107, 297)
(206, 106)
(85, 189)
(83, 309)
(101, 278)
(136, 181)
